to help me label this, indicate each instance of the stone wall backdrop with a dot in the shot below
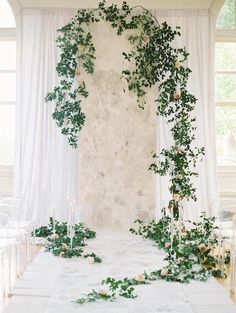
(116, 142)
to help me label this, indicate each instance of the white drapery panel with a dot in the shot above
(46, 170)
(197, 35)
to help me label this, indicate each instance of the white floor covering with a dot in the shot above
(50, 284)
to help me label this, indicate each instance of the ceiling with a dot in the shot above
(162, 4)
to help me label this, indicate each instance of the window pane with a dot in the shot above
(7, 87)
(226, 135)
(7, 134)
(7, 55)
(225, 87)
(7, 18)
(226, 18)
(225, 56)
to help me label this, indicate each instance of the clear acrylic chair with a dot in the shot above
(9, 255)
(227, 212)
(16, 231)
(2, 280)
(233, 257)
(21, 212)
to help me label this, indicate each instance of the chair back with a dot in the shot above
(12, 211)
(227, 212)
(4, 221)
(20, 207)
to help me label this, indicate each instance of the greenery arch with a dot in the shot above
(155, 62)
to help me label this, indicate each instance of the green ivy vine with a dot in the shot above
(153, 62)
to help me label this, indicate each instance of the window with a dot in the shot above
(7, 84)
(225, 85)
(226, 18)
(7, 97)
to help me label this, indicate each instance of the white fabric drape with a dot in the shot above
(197, 35)
(46, 167)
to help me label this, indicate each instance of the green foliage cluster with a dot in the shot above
(192, 254)
(153, 61)
(59, 242)
(190, 257)
(176, 104)
(115, 287)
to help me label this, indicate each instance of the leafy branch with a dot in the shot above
(153, 62)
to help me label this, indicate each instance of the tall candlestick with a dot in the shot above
(77, 216)
(67, 216)
(172, 226)
(180, 224)
(71, 235)
(54, 220)
(219, 241)
(73, 212)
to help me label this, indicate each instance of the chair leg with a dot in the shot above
(3, 278)
(232, 275)
(34, 242)
(9, 269)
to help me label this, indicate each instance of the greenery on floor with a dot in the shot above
(191, 254)
(60, 243)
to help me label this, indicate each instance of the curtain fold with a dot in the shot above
(46, 167)
(197, 35)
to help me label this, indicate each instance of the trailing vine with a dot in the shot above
(60, 243)
(153, 62)
(193, 253)
(192, 256)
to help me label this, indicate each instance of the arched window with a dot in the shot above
(7, 96)
(225, 86)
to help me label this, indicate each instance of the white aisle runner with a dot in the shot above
(32, 291)
(58, 282)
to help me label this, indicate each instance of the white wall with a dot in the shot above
(116, 142)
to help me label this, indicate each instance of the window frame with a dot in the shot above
(227, 173)
(225, 35)
(6, 171)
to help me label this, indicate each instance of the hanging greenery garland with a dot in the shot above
(154, 63)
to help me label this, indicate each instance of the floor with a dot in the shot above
(32, 291)
(50, 284)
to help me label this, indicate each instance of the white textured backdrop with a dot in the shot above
(116, 142)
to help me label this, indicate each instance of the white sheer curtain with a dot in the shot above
(197, 35)
(46, 167)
